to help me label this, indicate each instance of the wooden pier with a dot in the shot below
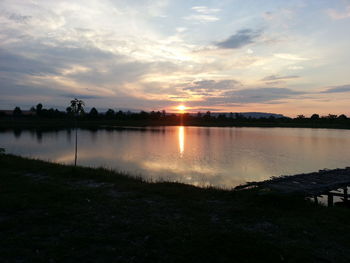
(332, 183)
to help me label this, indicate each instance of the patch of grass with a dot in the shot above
(57, 213)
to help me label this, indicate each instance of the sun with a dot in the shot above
(181, 108)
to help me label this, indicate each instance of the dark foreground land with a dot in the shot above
(56, 213)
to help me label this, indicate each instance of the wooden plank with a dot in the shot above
(338, 194)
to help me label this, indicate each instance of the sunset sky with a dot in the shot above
(290, 57)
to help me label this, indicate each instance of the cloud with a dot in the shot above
(178, 97)
(287, 56)
(81, 96)
(181, 29)
(242, 97)
(337, 89)
(209, 86)
(203, 14)
(337, 15)
(21, 19)
(240, 39)
(277, 77)
(202, 18)
(85, 72)
(260, 95)
(205, 9)
(296, 67)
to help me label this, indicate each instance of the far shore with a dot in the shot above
(32, 123)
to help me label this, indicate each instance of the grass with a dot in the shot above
(57, 213)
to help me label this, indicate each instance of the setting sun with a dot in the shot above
(181, 108)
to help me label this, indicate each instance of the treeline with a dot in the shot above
(39, 112)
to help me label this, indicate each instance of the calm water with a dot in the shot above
(223, 157)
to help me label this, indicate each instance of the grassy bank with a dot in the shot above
(57, 213)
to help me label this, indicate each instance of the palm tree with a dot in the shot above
(77, 107)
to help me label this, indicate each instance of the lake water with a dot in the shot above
(223, 157)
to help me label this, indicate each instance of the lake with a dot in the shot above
(201, 156)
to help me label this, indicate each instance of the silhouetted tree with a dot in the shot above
(110, 113)
(50, 113)
(342, 117)
(120, 115)
(69, 111)
(93, 112)
(239, 116)
(17, 111)
(39, 107)
(315, 117)
(77, 107)
(207, 115)
(144, 115)
(222, 117)
(332, 116)
(155, 115)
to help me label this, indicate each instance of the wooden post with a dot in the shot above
(315, 199)
(330, 199)
(76, 142)
(345, 194)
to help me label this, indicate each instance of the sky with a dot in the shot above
(289, 57)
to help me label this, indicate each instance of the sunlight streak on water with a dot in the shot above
(181, 140)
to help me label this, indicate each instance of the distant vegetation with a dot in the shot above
(41, 115)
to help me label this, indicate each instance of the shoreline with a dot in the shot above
(111, 124)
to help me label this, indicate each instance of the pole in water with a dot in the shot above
(76, 144)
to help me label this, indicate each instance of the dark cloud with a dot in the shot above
(11, 89)
(275, 83)
(338, 89)
(86, 65)
(178, 97)
(240, 39)
(18, 18)
(14, 63)
(206, 87)
(48, 60)
(261, 95)
(254, 95)
(277, 77)
(81, 96)
(204, 109)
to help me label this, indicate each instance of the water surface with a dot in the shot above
(202, 156)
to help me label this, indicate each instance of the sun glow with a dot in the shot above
(181, 108)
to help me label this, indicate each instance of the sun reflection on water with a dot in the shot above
(181, 140)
